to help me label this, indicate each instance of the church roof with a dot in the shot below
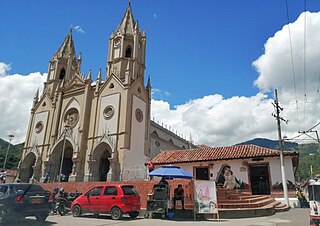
(67, 48)
(205, 153)
(127, 24)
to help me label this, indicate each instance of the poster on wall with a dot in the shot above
(205, 196)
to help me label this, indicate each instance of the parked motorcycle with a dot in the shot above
(62, 201)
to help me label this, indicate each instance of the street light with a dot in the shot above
(10, 137)
(66, 127)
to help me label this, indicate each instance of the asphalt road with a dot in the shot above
(293, 217)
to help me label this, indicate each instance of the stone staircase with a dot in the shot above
(238, 204)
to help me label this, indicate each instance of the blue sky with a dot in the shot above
(200, 55)
(194, 48)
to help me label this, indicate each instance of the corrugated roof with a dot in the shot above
(205, 153)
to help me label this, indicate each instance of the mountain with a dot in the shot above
(14, 154)
(272, 144)
(309, 155)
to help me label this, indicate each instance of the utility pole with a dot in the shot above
(279, 119)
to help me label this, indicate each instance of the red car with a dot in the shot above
(110, 198)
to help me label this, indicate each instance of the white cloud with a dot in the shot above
(275, 65)
(79, 29)
(17, 92)
(212, 119)
(160, 94)
(4, 68)
(216, 121)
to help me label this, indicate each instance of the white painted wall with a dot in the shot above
(134, 158)
(38, 138)
(111, 124)
(236, 165)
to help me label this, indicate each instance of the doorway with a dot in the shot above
(259, 179)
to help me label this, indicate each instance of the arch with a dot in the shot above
(26, 170)
(62, 73)
(56, 160)
(128, 51)
(100, 162)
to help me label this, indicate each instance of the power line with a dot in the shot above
(305, 60)
(291, 53)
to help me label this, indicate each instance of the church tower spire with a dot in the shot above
(127, 48)
(63, 65)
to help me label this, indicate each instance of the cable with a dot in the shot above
(305, 60)
(291, 52)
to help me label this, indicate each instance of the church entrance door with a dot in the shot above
(66, 165)
(100, 157)
(57, 159)
(26, 170)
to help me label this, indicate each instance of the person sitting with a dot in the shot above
(178, 195)
(163, 181)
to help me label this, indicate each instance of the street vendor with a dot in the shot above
(178, 195)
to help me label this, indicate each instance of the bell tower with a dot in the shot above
(127, 50)
(63, 65)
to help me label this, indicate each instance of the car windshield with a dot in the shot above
(129, 190)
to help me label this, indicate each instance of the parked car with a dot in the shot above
(113, 199)
(18, 201)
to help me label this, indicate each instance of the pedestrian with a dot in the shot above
(301, 197)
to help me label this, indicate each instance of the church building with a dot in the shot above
(85, 130)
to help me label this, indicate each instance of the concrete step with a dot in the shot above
(257, 204)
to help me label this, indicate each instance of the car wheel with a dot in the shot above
(76, 211)
(116, 213)
(41, 217)
(134, 215)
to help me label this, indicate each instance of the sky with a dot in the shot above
(214, 65)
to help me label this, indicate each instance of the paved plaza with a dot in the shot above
(293, 217)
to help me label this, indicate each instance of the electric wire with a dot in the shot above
(305, 61)
(292, 63)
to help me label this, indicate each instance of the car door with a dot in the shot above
(93, 197)
(108, 199)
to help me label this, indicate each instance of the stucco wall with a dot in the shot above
(240, 168)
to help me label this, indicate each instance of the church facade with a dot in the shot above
(85, 130)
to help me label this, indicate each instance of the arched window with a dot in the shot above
(62, 74)
(128, 52)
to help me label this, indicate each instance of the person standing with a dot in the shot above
(301, 197)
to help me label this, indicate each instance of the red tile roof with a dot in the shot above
(205, 153)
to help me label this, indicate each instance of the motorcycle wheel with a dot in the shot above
(62, 210)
